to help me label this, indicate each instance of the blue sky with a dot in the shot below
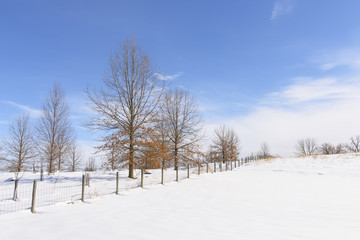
(276, 70)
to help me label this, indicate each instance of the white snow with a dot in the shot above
(296, 198)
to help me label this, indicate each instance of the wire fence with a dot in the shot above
(71, 187)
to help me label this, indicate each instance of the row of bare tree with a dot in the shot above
(50, 143)
(144, 123)
(309, 146)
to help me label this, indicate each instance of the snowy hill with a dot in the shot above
(292, 198)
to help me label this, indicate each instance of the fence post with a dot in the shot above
(162, 175)
(199, 168)
(42, 174)
(235, 163)
(220, 166)
(207, 167)
(83, 189)
(142, 178)
(188, 171)
(117, 183)
(33, 197)
(177, 173)
(231, 165)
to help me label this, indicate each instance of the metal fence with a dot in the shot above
(63, 188)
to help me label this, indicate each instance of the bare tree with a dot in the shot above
(264, 151)
(307, 146)
(184, 123)
(54, 128)
(128, 99)
(19, 148)
(225, 144)
(2, 158)
(115, 154)
(328, 148)
(354, 145)
(64, 146)
(233, 146)
(90, 165)
(221, 142)
(75, 157)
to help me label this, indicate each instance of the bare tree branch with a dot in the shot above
(128, 99)
(54, 128)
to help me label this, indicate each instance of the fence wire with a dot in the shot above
(67, 188)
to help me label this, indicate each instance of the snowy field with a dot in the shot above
(295, 198)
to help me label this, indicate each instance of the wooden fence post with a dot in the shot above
(207, 167)
(142, 178)
(83, 189)
(42, 174)
(33, 197)
(188, 171)
(199, 168)
(214, 166)
(220, 166)
(177, 173)
(162, 175)
(117, 183)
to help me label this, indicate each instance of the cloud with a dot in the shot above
(282, 7)
(31, 111)
(310, 89)
(165, 77)
(343, 58)
(323, 108)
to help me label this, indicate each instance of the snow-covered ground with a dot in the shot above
(294, 198)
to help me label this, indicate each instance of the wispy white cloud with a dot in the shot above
(282, 7)
(166, 77)
(342, 58)
(31, 111)
(309, 89)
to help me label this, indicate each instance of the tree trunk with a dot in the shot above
(176, 157)
(131, 157)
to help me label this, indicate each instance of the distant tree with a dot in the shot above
(183, 123)
(354, 145)
(225, 144)
(115, 152)
(307, 146)
(233, 146)
(2, 158)
(90, 165)
(64, 145)
(20, 148)
(128, 100)
(54, 128)
(264, 151)
(75, 157)
(327, 148)
(220, 143)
